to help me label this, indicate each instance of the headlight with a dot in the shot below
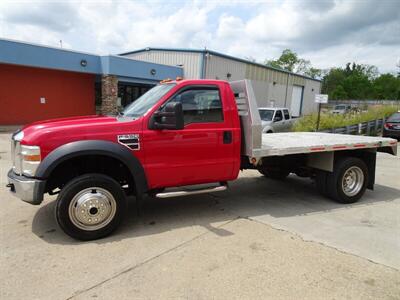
(18, 136)
(30, 159)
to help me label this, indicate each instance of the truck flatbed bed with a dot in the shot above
(278, 144)
(257, 144)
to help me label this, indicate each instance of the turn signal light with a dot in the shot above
(33, 157)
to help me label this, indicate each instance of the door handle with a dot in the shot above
(227, 139)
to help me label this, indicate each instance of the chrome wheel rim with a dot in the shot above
(92, 208)
(352, 181)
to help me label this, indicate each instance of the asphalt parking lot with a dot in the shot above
(260, 239)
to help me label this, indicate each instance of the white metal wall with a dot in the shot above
(311, 88)
(190, 61)
(219, 67)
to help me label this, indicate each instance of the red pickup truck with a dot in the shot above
(190, 135)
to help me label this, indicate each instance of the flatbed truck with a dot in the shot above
(182, 137)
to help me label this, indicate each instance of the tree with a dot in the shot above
(332, 79)
(290, 61)
(355, 81)
(339, 93)
(386, 86)
(313, 72)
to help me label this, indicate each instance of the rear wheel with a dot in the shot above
(90, 206)
(348, 182)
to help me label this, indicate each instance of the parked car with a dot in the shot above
(274, 119)
(341, 109)
(391, 128)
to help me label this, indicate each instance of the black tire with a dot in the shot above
(321, 182)
(275, 174)
(104, 184)
(334, 180)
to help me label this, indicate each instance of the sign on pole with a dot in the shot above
(321, 98)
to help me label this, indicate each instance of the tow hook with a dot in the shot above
(11, 186)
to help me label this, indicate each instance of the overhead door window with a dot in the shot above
(200, 105)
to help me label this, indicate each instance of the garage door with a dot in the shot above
(297, 100)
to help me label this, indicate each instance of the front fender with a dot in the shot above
(94, 147)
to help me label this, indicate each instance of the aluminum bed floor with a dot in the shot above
(278, 144)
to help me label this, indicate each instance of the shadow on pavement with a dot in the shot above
(247, 197)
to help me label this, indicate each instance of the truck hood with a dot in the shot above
(49, 134)
(62, 122)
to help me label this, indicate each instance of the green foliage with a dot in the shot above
(328, 121)
(386, 86)
(354, 81)
(339, 93)
(359, 82)
(291, 62)
(313, 72)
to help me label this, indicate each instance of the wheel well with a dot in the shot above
(102, 164)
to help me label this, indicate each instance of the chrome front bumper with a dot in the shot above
(30, 190)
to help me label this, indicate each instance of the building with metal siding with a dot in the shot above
(273, 87)
(191, 62)
(39, 82)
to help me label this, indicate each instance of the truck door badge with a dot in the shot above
(129, 140)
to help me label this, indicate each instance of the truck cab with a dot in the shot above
(179, 133)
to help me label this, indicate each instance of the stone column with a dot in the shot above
(109, 94)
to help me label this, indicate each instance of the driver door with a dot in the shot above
(198, 153)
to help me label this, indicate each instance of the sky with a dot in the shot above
(327, 32)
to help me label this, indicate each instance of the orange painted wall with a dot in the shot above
(66, 93)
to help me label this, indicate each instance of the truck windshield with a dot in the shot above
(266, 114)
(141, 105)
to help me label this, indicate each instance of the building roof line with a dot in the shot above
(205, 51)
(33, 55)
(130, 59)
(46, 46)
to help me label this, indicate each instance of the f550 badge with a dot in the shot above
(129, 140)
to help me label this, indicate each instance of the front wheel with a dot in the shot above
(348, 182)
(90, 206)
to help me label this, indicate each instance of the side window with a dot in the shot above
(286, 113)
(200, 105)
(278, 116)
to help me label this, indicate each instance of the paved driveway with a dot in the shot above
(260, 239)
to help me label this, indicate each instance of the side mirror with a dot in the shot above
(277, 119)
(170, 118)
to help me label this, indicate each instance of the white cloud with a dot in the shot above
(328, 32)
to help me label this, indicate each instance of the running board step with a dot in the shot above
(219, 188)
